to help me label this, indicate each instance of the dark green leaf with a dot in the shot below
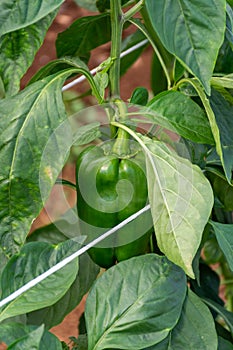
(30, 341)
(208, 285)
(34, 259)
(158, 78)
(87, 4)
(141, 309)
(178, 71)
(54, 314)
(128, 42)
(229, 24)
(20, 335)
(17, 51)
(81, 342)
(177, 112)
(225, 314)
(78, 39)
(139, 96)
(223, 115)
(186, 30)
(198, 152)
(213, 253)
(223, 344)
(19, 14)
(224, 235)
(104, 5)
(189, 333)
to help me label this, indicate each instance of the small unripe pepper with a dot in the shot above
(111, 187)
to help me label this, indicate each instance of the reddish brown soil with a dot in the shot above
(138, 75)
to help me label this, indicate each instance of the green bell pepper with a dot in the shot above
(110, 188)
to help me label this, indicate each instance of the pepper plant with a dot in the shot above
(153, 225)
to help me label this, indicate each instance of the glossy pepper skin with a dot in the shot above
(110, 189)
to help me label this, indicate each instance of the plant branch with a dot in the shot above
(133, 10)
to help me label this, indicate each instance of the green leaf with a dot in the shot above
(34, 259)
(82, 30)
(224, 81)
(17, 51)
(128, 42)
(208, 284)
(187, 29)
(29, 162)
(81, 342)
(158, 77)
(87, 4)
(175, 187)
(141, 309)
(27, 337)
(56, 233)
(53, 315)
(223, 344)
(101, 76)
(224, 235)
(224, 154)
(177, 112)
(139, 96)
(104, 5)
(189, 333)
(225, 314)
(223, 114)
(58, 65)
(30, 341)
(19, 14)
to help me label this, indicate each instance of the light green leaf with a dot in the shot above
(17, 51)
(225, 81)
(141, 309)
(29, 163)
(20, 335)
(192, 31)
(177, 112)
(101, 76)
(181, 200)
(224, 235)
(15, 15)
(34, 259)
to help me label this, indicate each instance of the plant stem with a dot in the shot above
(117, 28)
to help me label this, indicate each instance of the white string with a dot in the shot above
(93, 71)
(70, 258)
